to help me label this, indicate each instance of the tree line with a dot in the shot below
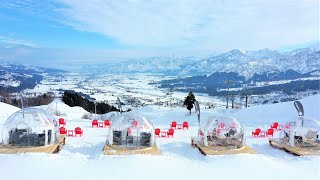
(72, 98)
(25, 101)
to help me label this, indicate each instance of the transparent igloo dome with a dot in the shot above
(217, 128)
(131, 130)
(30, 127)
(301, 131)
(111, 115)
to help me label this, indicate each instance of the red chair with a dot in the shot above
(157, 132)
(62, 130)
(79, 131)
(275, 126)
(94, 123)
(107, 123)
(129, 131)
(221, 125)
(62, 122)
(173, 124)
(287, 126)
(170, 132)
(216, 131)
(185, 125)
(270, 132)
(135, 123)
(256, 133)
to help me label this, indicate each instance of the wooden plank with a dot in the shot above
(46, 149)
(220, 150)
(114, 150)
(299, 151)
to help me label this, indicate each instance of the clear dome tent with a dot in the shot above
(131, 131)
(302, 132)
(30, 127)
(221, 131)
(110, 116)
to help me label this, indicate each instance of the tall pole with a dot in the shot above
(171, 100)
(240, 100)
(22, 106)
(56, 108)
(158, 99)
(171, 92)
(232, 100)
(228, 82)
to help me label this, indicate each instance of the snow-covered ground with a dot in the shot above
(82, 158)
(108, 87)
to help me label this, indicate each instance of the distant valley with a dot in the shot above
(284, 76)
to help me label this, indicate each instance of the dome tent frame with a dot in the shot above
(299, 137)
(131, 133)
(221, 135)
(30, 130)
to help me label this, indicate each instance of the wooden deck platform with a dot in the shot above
(116, 150)
(54, 148)
(220, 150)
(299, 151)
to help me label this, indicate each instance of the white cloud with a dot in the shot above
(7, 42)
(216, 24)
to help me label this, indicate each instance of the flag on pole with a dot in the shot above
(299, 108)
(197, 107)
(119, 104)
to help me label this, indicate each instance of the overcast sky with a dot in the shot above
(60, 31)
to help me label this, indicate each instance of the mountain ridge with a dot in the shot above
(245, 63)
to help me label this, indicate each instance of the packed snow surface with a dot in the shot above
(82, 157)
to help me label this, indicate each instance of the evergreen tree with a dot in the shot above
(189, 101)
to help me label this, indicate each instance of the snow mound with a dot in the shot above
(63, 110)
(6, 111)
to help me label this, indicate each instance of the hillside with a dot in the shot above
(243, 63)
(15, 77)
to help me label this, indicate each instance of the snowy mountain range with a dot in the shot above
(14, 77)
(245, 63)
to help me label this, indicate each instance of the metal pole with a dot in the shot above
(246, 100)
(171, 100)
(232, 100)
(228, 81)
(56, 108)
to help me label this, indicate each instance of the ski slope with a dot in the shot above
(82, 158)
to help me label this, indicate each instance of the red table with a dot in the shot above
(262, 133)
(163, 133)
(179, 126)
(100, 124)
(70, 133)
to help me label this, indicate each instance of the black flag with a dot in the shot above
(119, 105)
(299, 108)
(197, 107)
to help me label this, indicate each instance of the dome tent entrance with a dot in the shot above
(221, 135)
(131, 133)
(299, 136)
(29, 130)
